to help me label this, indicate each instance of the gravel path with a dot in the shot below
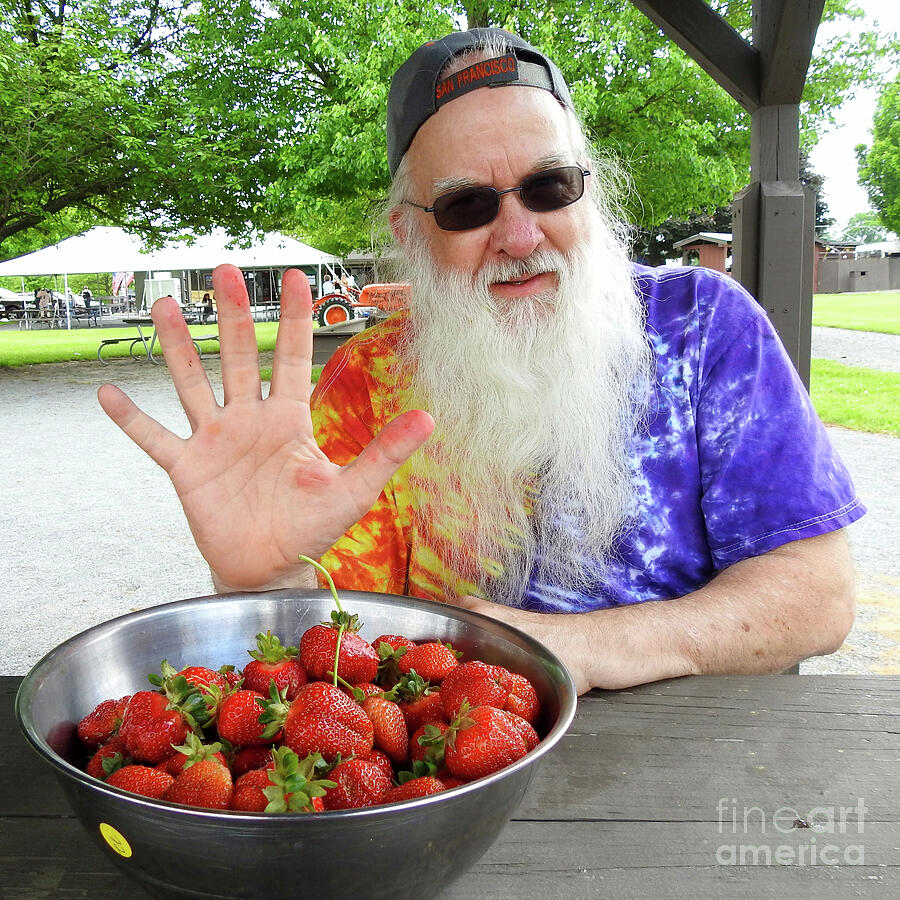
(866, 349)
(91, 529)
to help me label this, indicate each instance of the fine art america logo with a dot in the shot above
(764, 835)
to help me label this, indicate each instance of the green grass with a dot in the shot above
(877, 311)
(22, 348)
(859, 399)
(266, 374)
(855, 398)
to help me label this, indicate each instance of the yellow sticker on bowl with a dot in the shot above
(115, 839)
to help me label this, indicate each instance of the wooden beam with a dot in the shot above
(785, 31)
(716, 47)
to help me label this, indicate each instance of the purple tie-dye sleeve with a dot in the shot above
(768, 472)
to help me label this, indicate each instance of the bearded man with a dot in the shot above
(605, 437)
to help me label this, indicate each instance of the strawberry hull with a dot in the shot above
(176, 851)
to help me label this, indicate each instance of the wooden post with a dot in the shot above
(773, 229)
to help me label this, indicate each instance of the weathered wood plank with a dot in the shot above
(548, 859)
(712, 43)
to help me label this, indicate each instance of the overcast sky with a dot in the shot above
(833, 157)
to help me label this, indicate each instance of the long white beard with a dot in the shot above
(535, 404)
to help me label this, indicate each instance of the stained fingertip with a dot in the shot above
(166, 309)
(229, 279)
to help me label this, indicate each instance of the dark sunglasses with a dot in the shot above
(473, 207)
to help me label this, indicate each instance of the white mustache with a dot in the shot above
(538, 263)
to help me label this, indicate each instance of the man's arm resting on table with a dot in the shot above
(759, 616)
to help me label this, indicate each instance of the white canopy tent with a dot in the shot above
(106, 249)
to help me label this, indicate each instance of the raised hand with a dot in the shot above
(255, 487)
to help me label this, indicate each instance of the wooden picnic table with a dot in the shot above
(769, 786)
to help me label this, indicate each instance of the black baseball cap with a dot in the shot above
(417, 92)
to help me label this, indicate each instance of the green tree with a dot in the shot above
(656, 245)
(261, 114)
(879, 165)
(865, 228)
(100, 126)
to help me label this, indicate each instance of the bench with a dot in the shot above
(132, 340)
(147, 350)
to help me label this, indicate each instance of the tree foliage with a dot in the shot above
(101, 124)
(865, 228)
(657, 244)
(879, 165)
(267, 114)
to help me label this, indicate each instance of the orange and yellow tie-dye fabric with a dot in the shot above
(358, 393)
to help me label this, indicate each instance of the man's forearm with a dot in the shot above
(761, 615)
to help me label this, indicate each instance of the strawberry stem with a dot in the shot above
(319, 567)
(337, 653)
(337, 649)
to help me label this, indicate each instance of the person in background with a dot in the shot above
(619, 460)
(44, 302)
(207, 310)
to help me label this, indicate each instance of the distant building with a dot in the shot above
(712, 250)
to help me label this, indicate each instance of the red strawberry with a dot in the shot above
(390, 648)
(239, 719)
(480, 684)
(196, 702)
(323, 719)
(415, 787)
(419, 702)
(150, 727)
(281, 787)
(358, 661)
(273, 662)
(381, 760)
(434, 661)
(248, 795)
(390, 728)
(426, 744)
(529, 735)
(449, 782)
(202, 677)
(206, 784)
(481, 741)
(107, 759)
(248, 758)
(476, 683)
(144, 780)
(233, 677)
(523, 698)
(358, 783)
(395, 641)
(99, 725)
(193, 750)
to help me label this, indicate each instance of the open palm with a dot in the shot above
(255, 487)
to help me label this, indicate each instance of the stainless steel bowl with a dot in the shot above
(392, 851)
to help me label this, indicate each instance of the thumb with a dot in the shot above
(388, 450)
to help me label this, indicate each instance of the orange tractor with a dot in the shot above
(343, 306)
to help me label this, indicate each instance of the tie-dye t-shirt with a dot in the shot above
(733, 462)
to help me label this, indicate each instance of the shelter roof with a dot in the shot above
(708, 237)
(106, 249)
